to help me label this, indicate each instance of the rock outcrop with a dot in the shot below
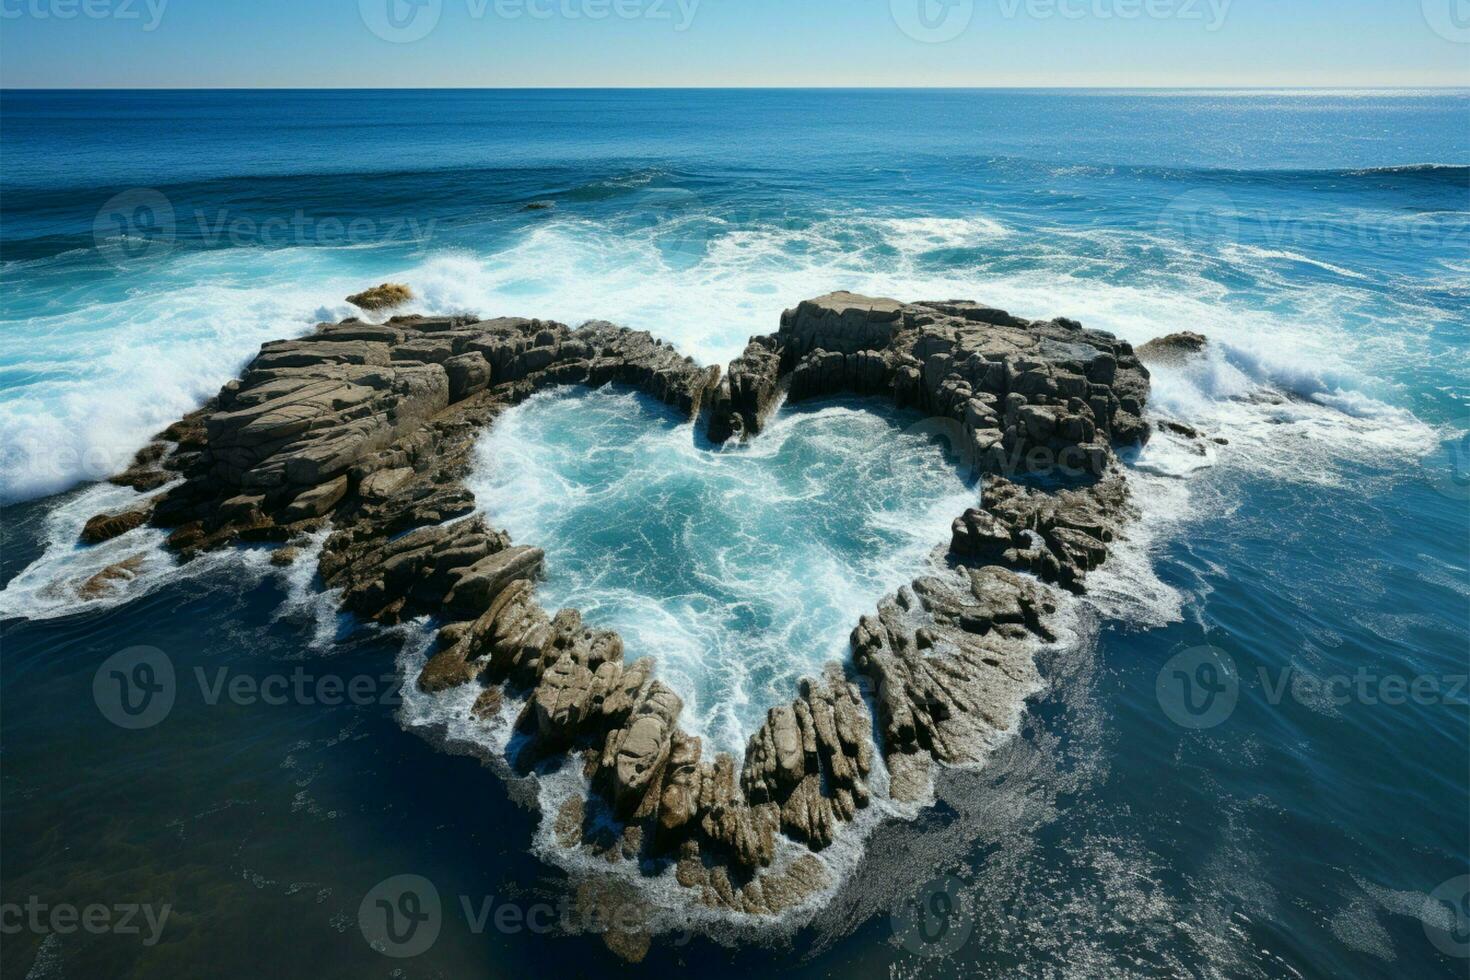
(1174, 348)
(381, 297)
(368, 429)
(105, 527)
(372, 425)
(1022, 396)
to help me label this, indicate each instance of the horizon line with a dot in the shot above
(736, 88)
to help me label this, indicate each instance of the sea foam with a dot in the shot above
(1299, 384)
(740, 570)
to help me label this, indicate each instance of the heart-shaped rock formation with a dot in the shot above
(370, 428)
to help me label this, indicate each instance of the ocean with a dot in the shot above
(1316, 824)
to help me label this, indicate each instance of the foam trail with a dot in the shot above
(1284, 382)
(1313, 350)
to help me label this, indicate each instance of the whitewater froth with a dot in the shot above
(703, 275)
(741, 570)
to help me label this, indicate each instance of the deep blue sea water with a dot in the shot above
(1308, 826)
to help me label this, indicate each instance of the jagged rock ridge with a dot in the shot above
(368, 428)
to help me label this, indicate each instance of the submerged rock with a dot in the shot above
(112, 577)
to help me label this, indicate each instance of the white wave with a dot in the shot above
(306, 600)
(1286, 419)
(703, 281)
(740, 570)
(921, 234)
(1298, 392)
(53, 584)
(101, 378)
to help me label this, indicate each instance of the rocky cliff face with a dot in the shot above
(368, 429)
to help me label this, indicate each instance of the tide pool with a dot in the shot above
(740, 572)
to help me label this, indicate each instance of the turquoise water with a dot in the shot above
(740, 572)
(1322, 240)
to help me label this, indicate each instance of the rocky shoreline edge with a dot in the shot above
(365, 431)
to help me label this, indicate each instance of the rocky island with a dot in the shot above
(364, 431)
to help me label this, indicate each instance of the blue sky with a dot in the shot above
(532, 43)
